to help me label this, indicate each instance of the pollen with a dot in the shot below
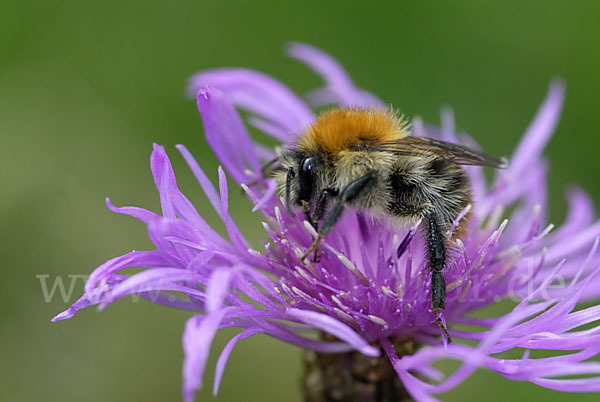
(340, 129)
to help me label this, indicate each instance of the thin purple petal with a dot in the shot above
(259, 94)
(340, 87)
(226, 133)
(539, 131)
(334, 327)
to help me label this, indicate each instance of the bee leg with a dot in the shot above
(306, 210)
(436, 249)
(328, 224)
(347, 195)
(317, 215)
(264, 171)
(319, 212)
(267, 165)
(321, 205)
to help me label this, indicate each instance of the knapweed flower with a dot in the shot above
(369, 293)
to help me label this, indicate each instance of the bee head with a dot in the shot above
(301, 179)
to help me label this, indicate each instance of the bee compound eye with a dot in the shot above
(306, 177)
(308, 166)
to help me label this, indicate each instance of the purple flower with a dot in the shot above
(371, 286)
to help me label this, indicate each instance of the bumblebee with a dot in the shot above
(367, 160)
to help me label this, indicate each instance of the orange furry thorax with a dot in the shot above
(339, 129)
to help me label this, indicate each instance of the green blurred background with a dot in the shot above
(87, 87)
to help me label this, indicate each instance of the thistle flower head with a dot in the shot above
(370, 287)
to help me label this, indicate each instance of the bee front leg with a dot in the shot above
(436, 249)
(321, 205)
(347, 195)
(318, 213)
(306, 209)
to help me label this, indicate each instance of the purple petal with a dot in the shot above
(205, 183)
(574, 385)
(539, 131)
(415, 387)
(133, 259)
(150, 280)
(268, 196)
(448, 131)
(226, 133)
(197, 338)
(277, 331)
(339, 84)
(259, 94)
(88, 299)
(273, 129)
(222, 362)
(173, 202)
(581, 214)
(335, 328)
(232, 230)
(179, 241)
(577, 242)
(217, 289)
(139, 213)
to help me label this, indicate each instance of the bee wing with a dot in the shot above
(428, 147)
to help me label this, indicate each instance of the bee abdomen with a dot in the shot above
(406, 198)
(429, 186)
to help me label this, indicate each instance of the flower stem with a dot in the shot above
(352, 376)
